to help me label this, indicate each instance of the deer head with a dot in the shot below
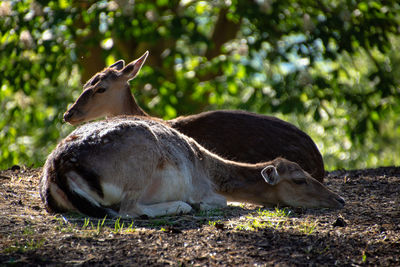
(292, 186)
(107, 93)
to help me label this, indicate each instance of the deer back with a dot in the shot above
(248, 137)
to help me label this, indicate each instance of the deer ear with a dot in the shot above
(132, 69)
(118, 65)
(270, 175)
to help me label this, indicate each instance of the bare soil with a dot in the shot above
(365, 232)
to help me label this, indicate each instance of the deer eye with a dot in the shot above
(299, 181)
(101, 90)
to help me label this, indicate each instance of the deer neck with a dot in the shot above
(240, 181)
(129, 105)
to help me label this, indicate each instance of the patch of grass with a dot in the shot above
(119, 227)
(85, 223)
(212, 223)
(130, 228)
(308, 227)
(264, 218)
(276, 213)
(242, 227)
(28, 230)
(255, 224)
(100, 225)
(64, 226)
(28, 245)
(363, 257)
(210, 213)
(92, 227)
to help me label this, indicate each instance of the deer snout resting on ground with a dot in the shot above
(235, 135)
(132, 166)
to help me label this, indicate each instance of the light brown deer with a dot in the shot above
(132, 166)
(235, 135)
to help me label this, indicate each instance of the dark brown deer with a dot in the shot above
(133, 166)
(236, 135)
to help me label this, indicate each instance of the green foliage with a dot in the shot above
(36, 66)
(330, 67)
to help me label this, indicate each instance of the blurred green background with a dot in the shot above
(329, 67)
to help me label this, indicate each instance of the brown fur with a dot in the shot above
(133, 166)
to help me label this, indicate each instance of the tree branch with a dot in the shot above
(224, 31)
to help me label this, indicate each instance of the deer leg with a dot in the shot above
(159, 209)
(212, 201)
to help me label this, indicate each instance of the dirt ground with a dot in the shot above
(365, 232)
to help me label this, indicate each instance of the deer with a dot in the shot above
(233, 134)
(133, 166)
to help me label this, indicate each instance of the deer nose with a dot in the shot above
(67, 115)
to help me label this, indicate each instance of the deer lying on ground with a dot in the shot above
(132, 166)
(235, 135)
